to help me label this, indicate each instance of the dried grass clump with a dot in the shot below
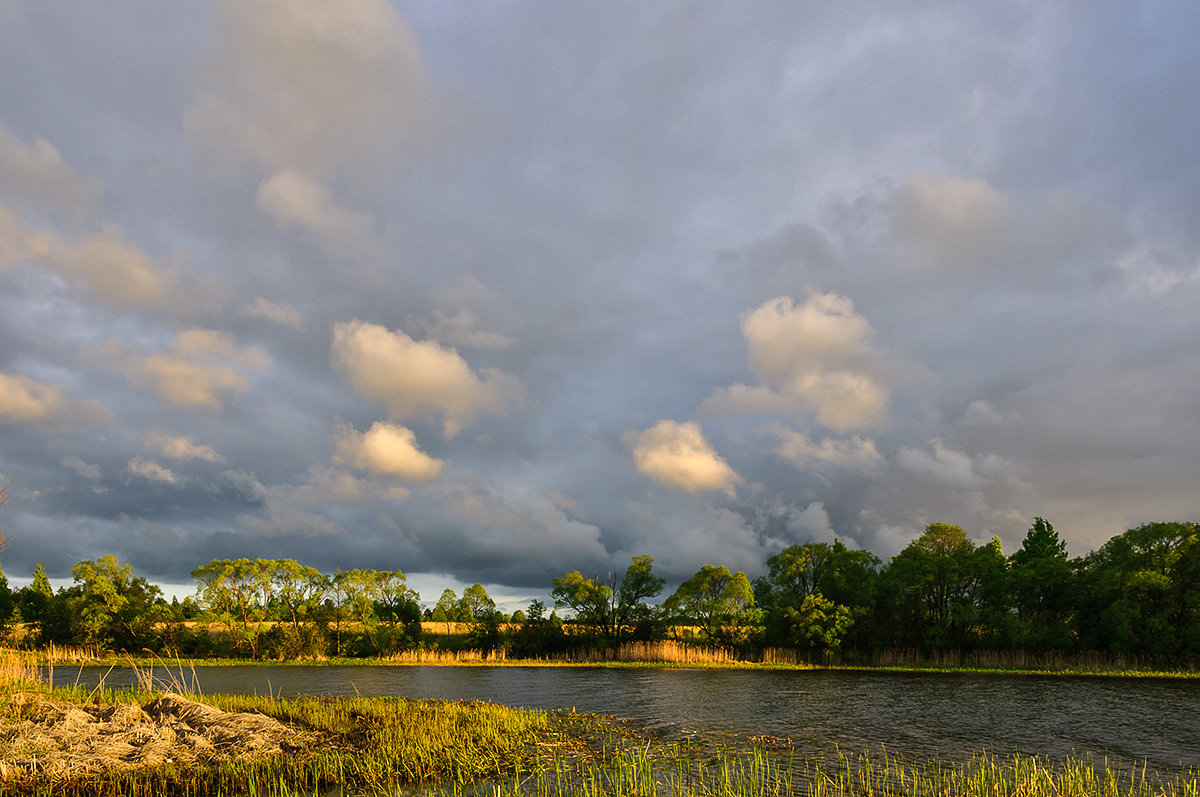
(61, 740)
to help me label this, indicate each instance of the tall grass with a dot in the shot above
(397, 746)
(17, 670)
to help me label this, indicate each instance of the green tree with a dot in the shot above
(1042, 590)
(236, 594)
(717, 600)
(477, 604)
(7, 604)
(590, 599)
(117, 609)
(637, 586)
(928, 590)
(446, 608)
(796, 613)
(34, 600)
(1140, 592)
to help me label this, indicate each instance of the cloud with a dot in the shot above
(149, 469)
(955, 224)
(198, 370)
(306, 83)
(677, 454)
(337, 486)
(951, 222)
(855, 454)
(285, 315)
(296, 200)
(24, 400)
(39, 173)
(115, 271)
(111, 269)
(180, 447)
(943, 465)
(416, 379)
(817, 355)
(84, 469)
(386, 448)
(461, 329)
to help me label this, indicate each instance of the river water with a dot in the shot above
(917, 715)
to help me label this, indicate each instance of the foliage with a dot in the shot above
(117, 610)
(717, 600)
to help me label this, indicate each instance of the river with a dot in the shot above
(917, 715)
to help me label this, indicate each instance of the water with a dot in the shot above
(917, 715)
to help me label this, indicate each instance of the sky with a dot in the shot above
(493, 291)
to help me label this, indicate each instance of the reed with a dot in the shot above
(17, 670)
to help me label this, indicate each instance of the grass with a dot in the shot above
(417, 747)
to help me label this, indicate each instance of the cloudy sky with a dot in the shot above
(493, 291)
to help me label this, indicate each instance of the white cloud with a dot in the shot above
(677, 454)
(811, 523)
(415, 379)
(285, 315)
(386, 448)
(180, 447)
(817, 355)
(149, 469)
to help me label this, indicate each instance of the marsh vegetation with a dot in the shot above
(143, 743)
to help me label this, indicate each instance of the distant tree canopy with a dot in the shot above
(1136, 595)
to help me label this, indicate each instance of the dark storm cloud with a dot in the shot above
(491, 293)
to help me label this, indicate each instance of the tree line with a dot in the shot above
(1138, 594)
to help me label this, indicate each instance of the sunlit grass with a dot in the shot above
(396, 746)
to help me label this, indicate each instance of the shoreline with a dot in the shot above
(143, 662)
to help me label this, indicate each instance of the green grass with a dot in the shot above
(392, 746)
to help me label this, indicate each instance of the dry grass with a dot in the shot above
(45, 737)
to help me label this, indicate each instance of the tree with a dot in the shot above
(117, 609)
(476, 603)
(638, 585)
(485, 620)
(34, 601)
(1042, 584)
(797, 614)
(928, 589)
(7, 604)
(236, 592)
(446, 608)
(717, 600)
(1140, 592)
(817, 624)
(587, 597)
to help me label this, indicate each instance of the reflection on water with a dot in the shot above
(916, 715)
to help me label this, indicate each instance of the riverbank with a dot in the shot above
(81, 742)
(373, 746)
(477, 659)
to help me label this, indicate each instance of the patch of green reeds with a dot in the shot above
(678, 772)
